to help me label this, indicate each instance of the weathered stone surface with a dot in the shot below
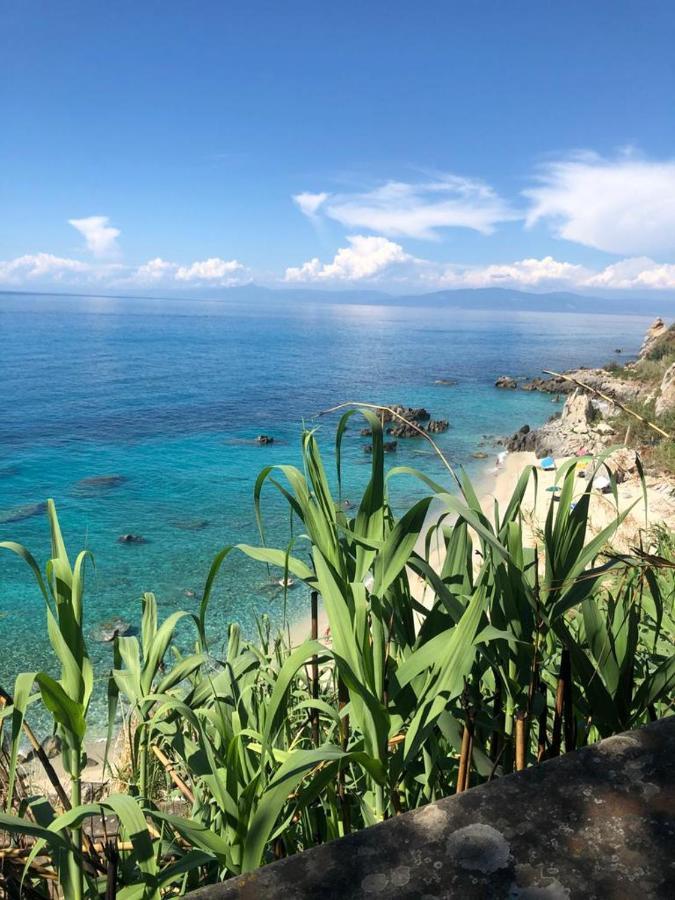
(665, 402)
(505, 381)
(592, 825)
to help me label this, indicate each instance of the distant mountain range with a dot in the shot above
(496, 299)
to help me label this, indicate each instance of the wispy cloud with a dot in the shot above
(100, 237)
(422, 210)
(623, 205)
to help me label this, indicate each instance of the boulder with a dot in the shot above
(578, 413)
(436, 426)
(265, 439)
(622, 463)
(506, 382)
(665, 402)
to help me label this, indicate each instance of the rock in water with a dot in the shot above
(131, 539)
(436, 426)
(665, 402)
(265, 439)
(506, 382)
(106, 632)
(192, 524)
(19, 513)
(97, 484)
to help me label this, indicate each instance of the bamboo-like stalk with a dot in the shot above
(175, 777)
(343, 699)
(521, 740)
(464, 771)
(112, 857)
(314, 600)
(561, 693)
(543, 718)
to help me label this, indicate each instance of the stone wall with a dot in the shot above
(598, 823)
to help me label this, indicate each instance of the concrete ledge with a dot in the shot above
(598, 823)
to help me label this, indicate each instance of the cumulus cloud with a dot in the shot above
(529, 273)
(210, 270)
(623, 205)
(101, 238)
(639, 272)
(422, 210)
(34, 266)
(154, 271)
(364, 258)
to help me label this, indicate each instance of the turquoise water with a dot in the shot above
(170, 396)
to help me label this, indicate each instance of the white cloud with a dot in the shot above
(623, 205)
(101, 237)
(154, 270)
(364, 258)
(400, 209)
(210, 270)
(34, 266)
(639, 272)
(529, 273)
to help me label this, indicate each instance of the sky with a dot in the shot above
(386, 145)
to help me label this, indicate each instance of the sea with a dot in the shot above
(140, 417)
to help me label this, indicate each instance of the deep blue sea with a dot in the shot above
(170, 396)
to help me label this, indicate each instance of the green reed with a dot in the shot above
(519, 649)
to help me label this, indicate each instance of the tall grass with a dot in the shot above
(517, 652)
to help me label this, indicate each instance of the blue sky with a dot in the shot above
(397, 145)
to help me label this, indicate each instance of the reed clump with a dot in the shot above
(520, 652)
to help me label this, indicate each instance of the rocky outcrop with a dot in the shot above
(506, 383)
(654, 333)
(625, 390)
(437, 426)
(665, 402)
(412, 413)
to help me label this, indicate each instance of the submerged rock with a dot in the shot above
(19, 513)
(107, 631)
(98, 484)
(448, 382)
(131, 539)
(191, 524)
(387, 446)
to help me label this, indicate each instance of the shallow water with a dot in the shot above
(169, 396)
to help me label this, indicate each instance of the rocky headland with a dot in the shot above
(599, 402)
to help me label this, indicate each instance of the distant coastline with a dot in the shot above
(488, 299)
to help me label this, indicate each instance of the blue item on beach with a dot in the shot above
(548, 464)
